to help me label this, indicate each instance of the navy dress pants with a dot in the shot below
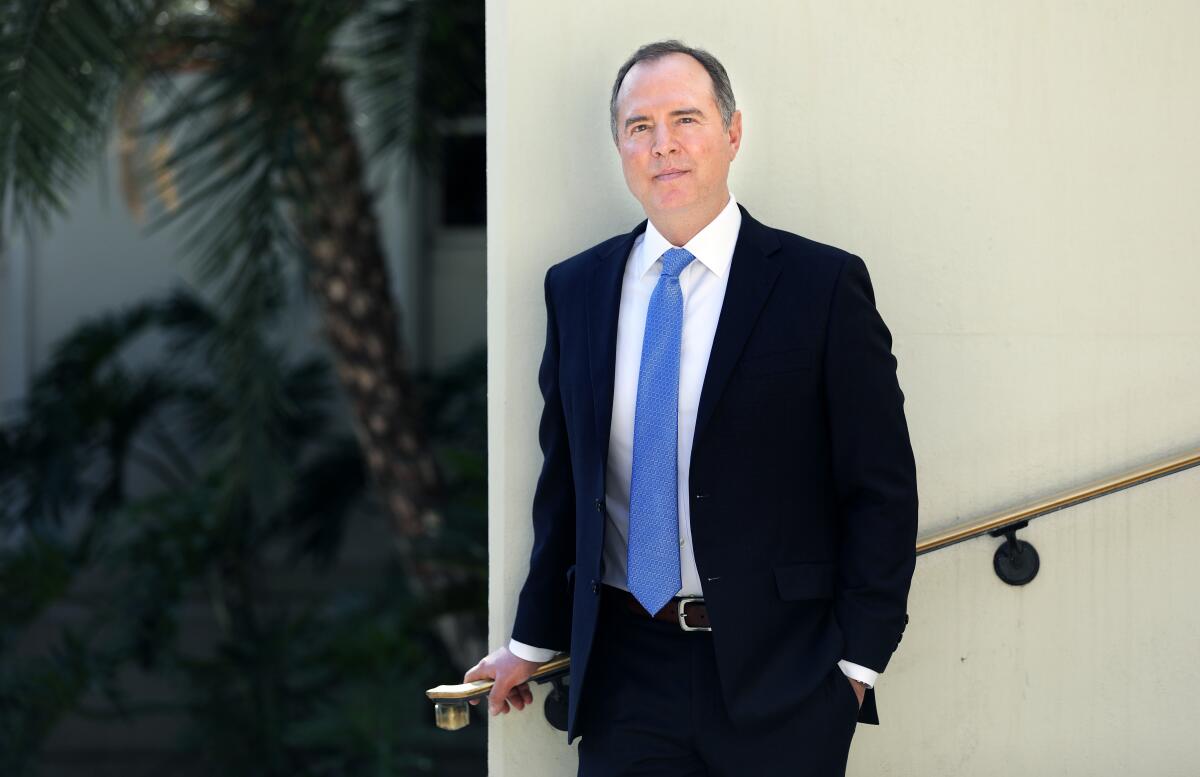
(652, 707)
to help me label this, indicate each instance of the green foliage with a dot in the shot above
(218, 474)
(61, 65)
(236, 92)
(417, 64)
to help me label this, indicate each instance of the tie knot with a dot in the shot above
(674, 260)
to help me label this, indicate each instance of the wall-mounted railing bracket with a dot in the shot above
(557, 701)
(1016, 561)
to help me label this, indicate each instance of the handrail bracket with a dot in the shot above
(1016, 561)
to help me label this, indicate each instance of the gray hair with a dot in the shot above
(722, 91)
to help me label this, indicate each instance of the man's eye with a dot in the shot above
(688, 119)
(638, 128)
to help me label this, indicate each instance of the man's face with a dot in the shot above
(675, 153)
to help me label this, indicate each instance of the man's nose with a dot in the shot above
(664, 140)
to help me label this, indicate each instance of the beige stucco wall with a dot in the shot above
(1023, 181)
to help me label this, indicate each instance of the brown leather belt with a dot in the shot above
(689, 613)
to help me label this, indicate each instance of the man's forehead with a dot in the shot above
(673, 78)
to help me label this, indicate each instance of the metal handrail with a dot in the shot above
(450, 701)
(994, 522)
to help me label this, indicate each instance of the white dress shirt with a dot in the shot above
(703, 284)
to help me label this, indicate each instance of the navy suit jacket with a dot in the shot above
(803, 485)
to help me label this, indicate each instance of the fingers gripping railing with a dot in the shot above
(451, 710)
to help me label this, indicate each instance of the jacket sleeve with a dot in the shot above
(873, 471)
(543, 616)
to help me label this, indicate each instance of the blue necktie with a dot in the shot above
(653, 564)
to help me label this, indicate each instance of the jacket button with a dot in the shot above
(595, 586)
(599, 505)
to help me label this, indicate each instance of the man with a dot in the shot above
(724, 446)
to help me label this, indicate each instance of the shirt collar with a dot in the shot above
(712, 246)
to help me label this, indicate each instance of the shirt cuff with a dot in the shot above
(529, 652)
(858, 672)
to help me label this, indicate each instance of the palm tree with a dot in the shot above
(235, 126)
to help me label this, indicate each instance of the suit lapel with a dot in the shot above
(603, 309)
(752, 274)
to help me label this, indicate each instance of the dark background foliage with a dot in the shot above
(243, 503)
(182, 536)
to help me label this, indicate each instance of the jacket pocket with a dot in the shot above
(805, 581)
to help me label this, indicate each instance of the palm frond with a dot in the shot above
(61, 65)
(417, 63)
(230, 133)
(34, 572)
(317, 516)
(68, 419)
(38, 692)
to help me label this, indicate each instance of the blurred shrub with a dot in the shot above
(217, 472)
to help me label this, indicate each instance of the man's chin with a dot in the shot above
(674, 202)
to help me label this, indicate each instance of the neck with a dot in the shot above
(679, 228)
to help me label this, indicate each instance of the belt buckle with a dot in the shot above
(682, 618)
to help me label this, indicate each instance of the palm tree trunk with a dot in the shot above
(347, 272)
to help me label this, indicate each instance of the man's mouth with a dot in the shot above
(670, 175)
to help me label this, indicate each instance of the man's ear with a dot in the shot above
(735, 133)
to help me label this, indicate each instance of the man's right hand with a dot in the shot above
(509, 675)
